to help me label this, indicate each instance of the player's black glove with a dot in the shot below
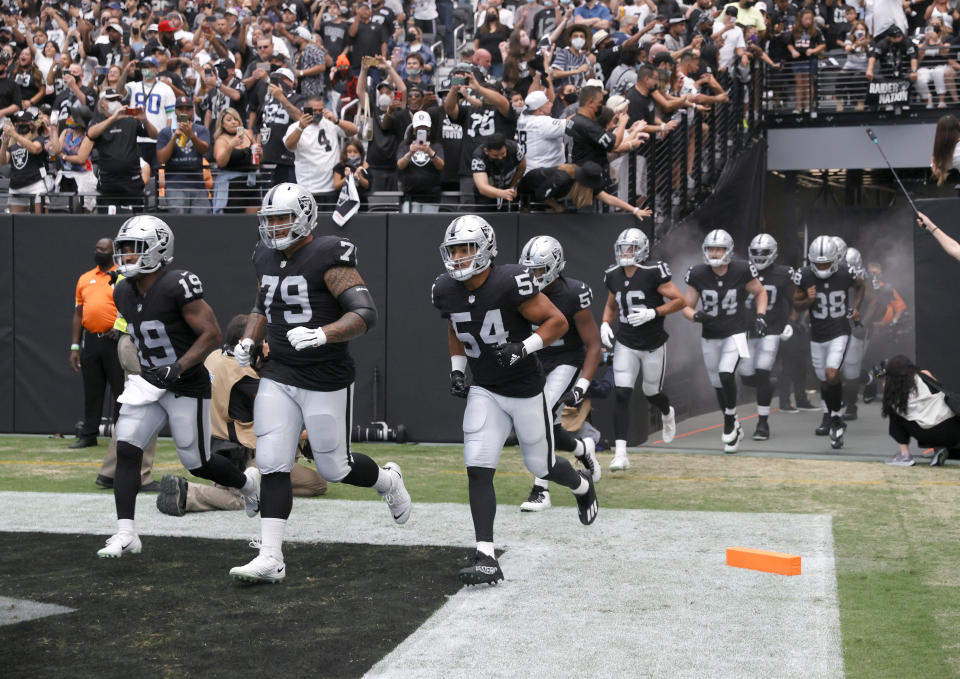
(699, 317)
(458, 384)
(162, 377)
(760, 325)
(573, 398)
(510, 353)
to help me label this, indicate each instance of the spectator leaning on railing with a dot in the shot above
(181, 149)
(497, 168)
(896, 54)
(539, 134)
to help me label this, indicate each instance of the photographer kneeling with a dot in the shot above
(918, 408)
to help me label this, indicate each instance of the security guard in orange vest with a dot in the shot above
(93, 348)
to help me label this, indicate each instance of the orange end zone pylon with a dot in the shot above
(762, 560)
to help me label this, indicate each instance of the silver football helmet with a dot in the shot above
(824, 256)
(631, 247)
(146, 236)
(855, 261)
(841, 245)
(762, 250)
(294, 202)
(718, 238)
(473, 231)
(543, 254)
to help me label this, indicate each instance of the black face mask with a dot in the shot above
(102, 258)
(570, 97)
(411, 37)
(354, 162)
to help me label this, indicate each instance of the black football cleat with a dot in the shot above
(851, 413)
(587, 503)
(824, 428)
(762, 432)
(485, 569)
(837, 429)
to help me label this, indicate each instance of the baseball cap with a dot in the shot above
(422, 119)
(762, 6)
(343, 61)
(286, 73)
(114, 26)
(183, 102)
(599, 37)
(150, 60)
(535, 100)
(153, 28)
(165, 27)
(894, 32)
(111, 95)
(385, 84)
(677, 20)
(231, 10)
(594, 82)
(662, 57)
(731, 10)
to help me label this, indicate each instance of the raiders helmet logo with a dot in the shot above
(305, 206)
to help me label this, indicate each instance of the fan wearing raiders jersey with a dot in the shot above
(640, 293)
(823, 289)
(490, 310)
(721, 286)
(311, 301)
(570, 362)
(755, 369)
(174, 329)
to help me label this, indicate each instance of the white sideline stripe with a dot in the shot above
(639, 593)
(13, 611)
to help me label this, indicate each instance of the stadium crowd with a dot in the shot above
(506, 103)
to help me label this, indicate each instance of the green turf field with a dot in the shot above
(895, 530)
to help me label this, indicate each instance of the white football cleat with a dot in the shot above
(731, 442)
(589, 458)
(251, 501)
(120, 544)
(398, 499)
(620, 463)
(263, 568)
(669, 425)
(537, 501)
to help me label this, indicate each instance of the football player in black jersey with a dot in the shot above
(852, 368)
(311, 302)
(755, 369)
(174, 329)
(823, 288)
(721, 285)
(490, 310)
(570, 362)
(640, 293)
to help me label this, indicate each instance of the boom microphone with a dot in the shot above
(876, 141)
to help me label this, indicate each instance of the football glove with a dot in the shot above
(301, 338)
(787, 333)
(510, 353)
(163, 377)
(700, 317)
(641, 316)
(760, 325)
(243, 352)
(458, 384)
(606, 335)
(573, 398)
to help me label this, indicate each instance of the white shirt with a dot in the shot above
(732, 39)
(956, 157)
(424, 10)
(158, 101)
(925, 408)
(541, 137)
(879, 15)
(317, 151)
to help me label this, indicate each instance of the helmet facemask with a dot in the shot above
(148, 259)
(279, 234)
(762, 257)
(462, 266)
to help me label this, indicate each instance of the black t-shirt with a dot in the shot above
(452, 142)
(640, 106)
(787, 16)
(30, 80)
(25, 166)
(367, 43)
(804, 41)
(500, 173)
(590, 141)
(293, 293)
(777, 280)
(489, 316)
(478, 123)
(546, 182)
(838, 33)
(340, 169)
(384, 17)
(570, 296)
(9, 93)
(639, 291)
(117, 146)
(893, 57)
(722, 298)
(67, 98)
(155, 322)
(491, 42)
(420, 179)
(543, 23)
(334, 36)
(828, 315)
(273, 122)
(106, 54)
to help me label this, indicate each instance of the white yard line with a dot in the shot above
(638, 594)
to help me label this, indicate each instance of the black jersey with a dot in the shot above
(293, 293)
(489, 316)
(723, 298)
(639, 291)
(156, 324)
(777, 280)
(828, 315)
(570, 296)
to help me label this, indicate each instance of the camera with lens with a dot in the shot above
(378, 431)
(876, 372)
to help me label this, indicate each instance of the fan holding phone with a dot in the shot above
(420, 165)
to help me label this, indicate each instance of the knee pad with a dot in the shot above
(762, 376)
(128, 451)
(728, 381)
(480, 475)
